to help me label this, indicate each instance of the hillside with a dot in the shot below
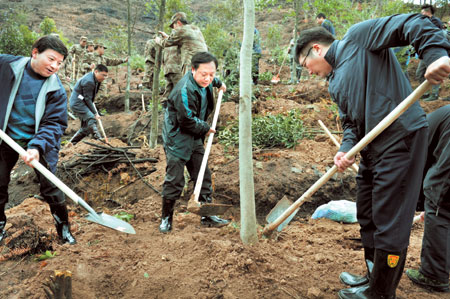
(302, 261)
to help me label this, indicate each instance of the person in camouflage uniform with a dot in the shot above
(88, 62)
(77, 53)
(171, 63)
(149, 56)
(100, 58)
(187, 37)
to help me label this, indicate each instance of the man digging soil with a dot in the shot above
(367, 83)
(185, 127)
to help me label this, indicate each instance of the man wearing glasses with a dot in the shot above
(367, 83)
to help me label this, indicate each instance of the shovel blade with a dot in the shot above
(111, 222)
(207, 209)
(279, 209)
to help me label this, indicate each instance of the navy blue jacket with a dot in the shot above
(182, 122)
(86, 87)
(367, 81)
(51, 107)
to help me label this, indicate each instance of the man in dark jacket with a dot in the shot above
(435, 261)
(33, 112)
(184, 130)
(82, 102)
(367, 83)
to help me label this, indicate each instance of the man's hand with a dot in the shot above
(223, 87)
(341, 162)
(438, 70)
(32, 154)
(210, 131)
(164, 35)
(97, 116)
(92, 66)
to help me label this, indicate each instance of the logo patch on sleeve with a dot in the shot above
(392, 260)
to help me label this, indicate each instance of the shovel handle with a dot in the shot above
(354, 166)
(201, 173)
(388, 120)
(49, 175)
(100, 124)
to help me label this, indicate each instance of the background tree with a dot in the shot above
(15, 36)
(127, 92)
(246, 184)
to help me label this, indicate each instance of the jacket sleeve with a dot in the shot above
(401, 30)
(175, 38)
(185, 105)
(350, 133)
(53, 123)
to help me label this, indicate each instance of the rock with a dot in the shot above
(314, 292)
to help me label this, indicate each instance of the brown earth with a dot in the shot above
(303, 261)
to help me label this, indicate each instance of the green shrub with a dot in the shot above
(137, 62)
(268, 131)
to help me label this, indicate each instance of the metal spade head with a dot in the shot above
(279, 209)
(111, 222)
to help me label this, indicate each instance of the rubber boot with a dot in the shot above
(355, 280)
(166, 215)
(384, 279)
(77, 137)
(211, 221)
(96, 133)
(61, 217)
(2, 222)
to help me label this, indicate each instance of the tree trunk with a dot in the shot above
(127, 93)
(248, 213)
(155, 86)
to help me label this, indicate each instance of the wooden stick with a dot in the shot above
(143, 103)
(354, 166)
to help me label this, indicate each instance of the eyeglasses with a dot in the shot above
(307, 54)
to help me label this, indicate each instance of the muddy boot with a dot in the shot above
(384, 279)
(59, 213)
(166, 215)
(77, 137)
(354, 280)
(427, 282)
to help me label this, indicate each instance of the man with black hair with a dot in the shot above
(434, 259)
(367, 83)
(33, 112)
(185, 128)
(322, 21)
(82, 102)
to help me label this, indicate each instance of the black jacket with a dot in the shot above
(367, 81)
(182, 122)
(87, 87)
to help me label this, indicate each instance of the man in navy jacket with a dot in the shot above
(367, 83)
(33, 112)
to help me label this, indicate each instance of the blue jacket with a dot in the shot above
(367, 81)
(182, 122)
(51, 107)
(87, 87)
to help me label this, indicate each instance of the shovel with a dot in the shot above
(386, 122)
(100, 218)
(194, 206)
(276, 79)
(100, 124)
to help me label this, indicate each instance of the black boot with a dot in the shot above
(59, 212)
(211, 221)
(355, 280)
(2, 223)
(384, 279)
(77, 137)
(166, 215)
(96, 133)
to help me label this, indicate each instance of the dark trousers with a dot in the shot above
(174, 180)
(388, 190)
(435, 255)
(8, 158)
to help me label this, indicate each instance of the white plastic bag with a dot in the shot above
(337, 210)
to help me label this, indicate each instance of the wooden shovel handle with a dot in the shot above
(388, 120)
(201, 173)
(100, 124)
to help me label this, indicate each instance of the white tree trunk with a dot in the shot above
(247, 194)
